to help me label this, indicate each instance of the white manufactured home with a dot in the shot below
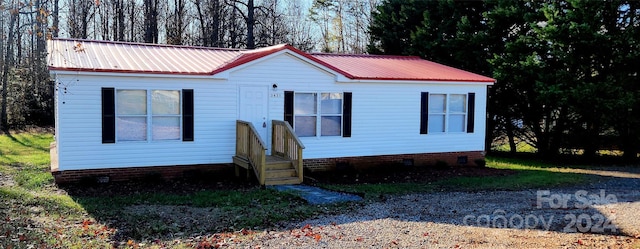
(127, 109)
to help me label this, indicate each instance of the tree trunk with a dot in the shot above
(203, 27)
(151, 21)
(216, 37)
(511, 136)
(56, 17)
(251, 44)
(132, 19)
(5, 71)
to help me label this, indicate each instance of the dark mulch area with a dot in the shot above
(226, 180)
(218, 180)
(401, 174)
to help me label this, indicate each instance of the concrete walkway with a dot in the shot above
(315, 195)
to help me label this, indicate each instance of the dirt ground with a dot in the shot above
(401, 174)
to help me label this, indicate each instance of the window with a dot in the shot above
(457, 112)
(318, 114)
(447, 113)
(137, 115)
(165, 106)
(131, 115)
(437, 112)
(331, 114)
(133, 118)
(306, 113)
(447, 110)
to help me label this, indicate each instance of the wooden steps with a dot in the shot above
(282, 181)
(278, 171)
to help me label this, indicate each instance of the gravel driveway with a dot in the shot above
(603, 214)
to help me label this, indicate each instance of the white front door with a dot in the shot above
(254, 109)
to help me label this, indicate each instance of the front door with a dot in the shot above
(254, 109)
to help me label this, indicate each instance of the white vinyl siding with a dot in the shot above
(80, 126)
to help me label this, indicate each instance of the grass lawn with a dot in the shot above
(34, 212)
(528, 174)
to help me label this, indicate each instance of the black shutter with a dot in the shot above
(108, 116)
(471, 111)
(187, 114)
(424, 112)
(288, 107)
(346, 115)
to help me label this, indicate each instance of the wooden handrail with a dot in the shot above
(285, 143)
(249, 145)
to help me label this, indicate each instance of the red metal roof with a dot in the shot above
(107, 56)
(384, 67)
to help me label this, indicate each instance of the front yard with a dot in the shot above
(227, 212)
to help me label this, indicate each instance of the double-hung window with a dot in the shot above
(134, 118)
(318, 114)
(143, 115)
(447, 113)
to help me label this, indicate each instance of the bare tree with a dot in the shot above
(8, 63)
(175, 24)
(80, 14)
(56, 18)
(320, 13)
(343, 24)
(299, 27)
(150, 21)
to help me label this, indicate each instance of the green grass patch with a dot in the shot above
(25, 148)
(528, 174)
(518, 181)
(26, 157)
(33, 177)
(520, 147)
(53, 203)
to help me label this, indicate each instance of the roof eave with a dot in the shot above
(488, 81)
(122, 73)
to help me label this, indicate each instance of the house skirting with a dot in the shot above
(141, 173)
(313, 165)
(450, 158)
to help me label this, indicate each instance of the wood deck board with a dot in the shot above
(275, 159)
